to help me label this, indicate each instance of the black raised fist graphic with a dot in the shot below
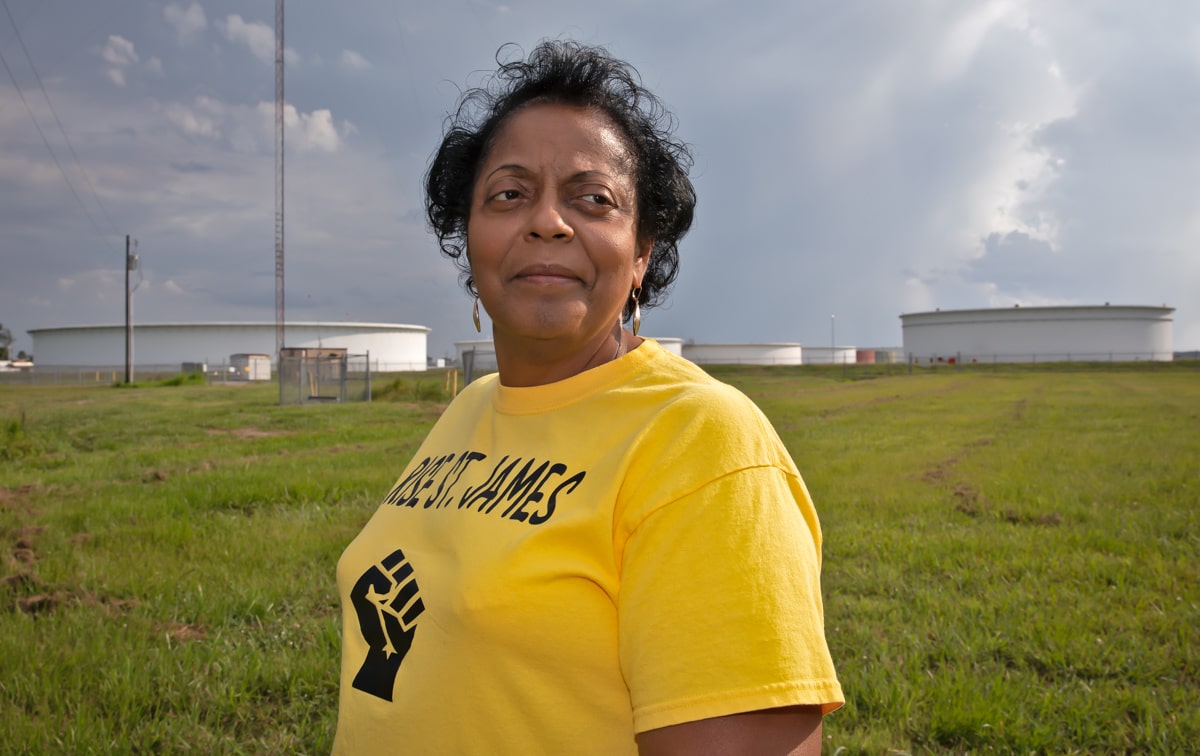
(387, 602)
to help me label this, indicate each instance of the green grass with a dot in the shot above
(182, 379)
(1010, 556)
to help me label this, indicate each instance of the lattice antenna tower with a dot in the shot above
(279, 102)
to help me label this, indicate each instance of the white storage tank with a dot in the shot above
(837, 355)
(1039, 334)
(782, 353)
(394, 347)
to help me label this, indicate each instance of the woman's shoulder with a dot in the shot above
(699, 431)
(689, 390)
(690, 410)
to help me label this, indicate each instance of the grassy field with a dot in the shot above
(1010, 557)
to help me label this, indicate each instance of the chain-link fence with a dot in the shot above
(323, 375)
(1034, 358)
(351, 382)
(108, 375)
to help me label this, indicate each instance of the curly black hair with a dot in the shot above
(568, 73)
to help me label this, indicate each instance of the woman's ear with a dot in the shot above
(641, 260)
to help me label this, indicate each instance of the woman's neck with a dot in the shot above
(530, 362)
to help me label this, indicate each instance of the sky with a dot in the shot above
(854, 160)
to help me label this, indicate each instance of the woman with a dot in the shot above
(601, 549)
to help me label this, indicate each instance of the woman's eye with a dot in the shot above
(506, 194)
(598, 199)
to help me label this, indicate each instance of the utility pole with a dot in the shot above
(279, 129)
(832, 339)
(131, 264)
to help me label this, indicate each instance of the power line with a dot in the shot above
(61, 130)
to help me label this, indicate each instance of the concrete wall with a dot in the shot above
(393, 346)
(1030, 334)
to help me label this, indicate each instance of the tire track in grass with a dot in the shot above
(968, 500)
(22, 589)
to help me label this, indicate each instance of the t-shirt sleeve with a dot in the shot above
(720, 607)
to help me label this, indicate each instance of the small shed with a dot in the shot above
(250, 367)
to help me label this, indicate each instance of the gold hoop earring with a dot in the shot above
(637, 309)
(475, 316)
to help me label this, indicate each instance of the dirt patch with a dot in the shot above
(28, 593)
(936, 474)
(942, 470)
(23, 554)
(341, 449)
(964, 492)
(111, 606)
(1018, 410)
(970, 510)
(248, 433)
(38, 604)
(22, 548)
(45, 602)
(31, 596)
(1021, 518)
(968, 501)
(25, 592)
(179, 632)
(19, 583)
(18, 498)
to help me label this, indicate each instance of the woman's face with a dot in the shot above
(552, 235)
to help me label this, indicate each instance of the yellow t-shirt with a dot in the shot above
(560, 567)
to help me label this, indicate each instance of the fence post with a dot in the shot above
(345, 367)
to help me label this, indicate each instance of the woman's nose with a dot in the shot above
(547, 222)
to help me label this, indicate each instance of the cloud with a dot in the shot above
(188, 22)
(354, 61)
(310, 131)
(191, 166)
(1017, 262)
(119, 54)
(202, 118)
(251, 129)
(317, 128)
(258, 37)
(96, 286)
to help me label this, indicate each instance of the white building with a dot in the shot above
(1039, 334)
(393, 347)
